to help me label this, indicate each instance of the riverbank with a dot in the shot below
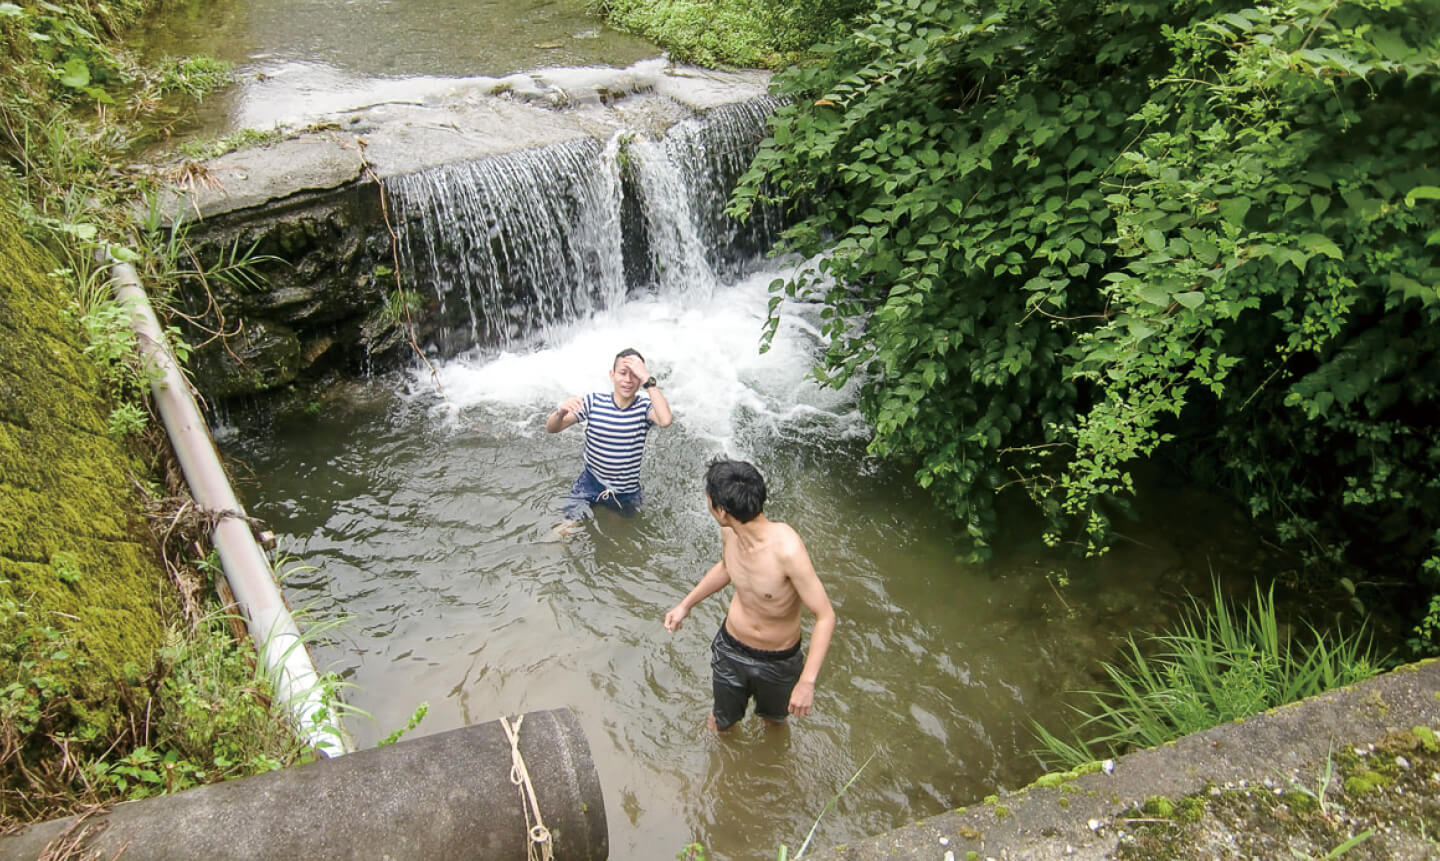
(1359, 766)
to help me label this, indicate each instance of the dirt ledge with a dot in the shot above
(1299, 781)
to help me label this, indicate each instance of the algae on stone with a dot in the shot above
(74, 556)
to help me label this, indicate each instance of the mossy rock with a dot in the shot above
(75, 558)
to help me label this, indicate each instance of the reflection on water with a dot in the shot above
(424, 506)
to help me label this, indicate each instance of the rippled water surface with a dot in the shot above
(425, 503)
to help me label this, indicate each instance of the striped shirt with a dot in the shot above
(615, 439)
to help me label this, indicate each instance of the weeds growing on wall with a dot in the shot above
(200, 714)
(1220, 664)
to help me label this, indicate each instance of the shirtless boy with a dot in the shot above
(757, 651)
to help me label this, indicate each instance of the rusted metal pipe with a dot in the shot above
(281, 648)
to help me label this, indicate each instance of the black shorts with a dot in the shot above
(739, 672)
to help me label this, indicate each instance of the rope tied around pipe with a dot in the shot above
(538, 847)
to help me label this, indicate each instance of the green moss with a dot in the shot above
(1365, 783)
(73, 552)
(1300, 802)
(1190, 809)
(1070, 787)
(972, 855)
(1001, 811)
(1064, 801)
(1159, 806)
(1427, 738)
(992, 799)
(1054, 778)
(1088, 767)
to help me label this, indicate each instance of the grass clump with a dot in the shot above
(1217, 666)
(749, 33)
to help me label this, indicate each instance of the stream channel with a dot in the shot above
(418, 505)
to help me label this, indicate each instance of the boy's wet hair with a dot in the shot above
(735, 487)
(628, 351)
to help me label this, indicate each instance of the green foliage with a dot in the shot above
(32, 702)
(752, 33)
(400, 304)
(67, 567)
(200, 150)
(195, 77)
(1426, 640)
(1203, 232)
(414, 721)
(1215, 667)
(210, 718)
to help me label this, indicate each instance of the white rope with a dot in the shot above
(537, 846)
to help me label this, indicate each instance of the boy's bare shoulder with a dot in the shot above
(787, 541)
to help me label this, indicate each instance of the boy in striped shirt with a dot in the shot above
(616, 424)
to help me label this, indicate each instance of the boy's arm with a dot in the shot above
(565, 415)
(812, 594)
(715, 579)
(659, 407)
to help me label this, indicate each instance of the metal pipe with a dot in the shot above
(282, 651)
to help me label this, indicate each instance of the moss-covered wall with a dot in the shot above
(67, 501)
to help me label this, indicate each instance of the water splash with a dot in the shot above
(705, 351)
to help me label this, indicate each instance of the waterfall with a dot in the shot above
(508, 247)
(686, 180)
(513, 243)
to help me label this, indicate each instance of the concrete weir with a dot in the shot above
(448, 795)
(1092, 815)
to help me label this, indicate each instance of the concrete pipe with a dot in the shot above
(445, 796)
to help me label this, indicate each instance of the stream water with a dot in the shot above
(423, 507)
(419, 504)
(297, 59)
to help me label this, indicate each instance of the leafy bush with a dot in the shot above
(1066, 237)
(1215, 668)
(752, 33)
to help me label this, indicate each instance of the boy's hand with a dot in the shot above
(675, 618)
(802, 697)
(636, 366)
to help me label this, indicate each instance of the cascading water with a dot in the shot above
(513, 245)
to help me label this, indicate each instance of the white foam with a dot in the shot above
(704, 349)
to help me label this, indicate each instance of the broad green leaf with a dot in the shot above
(1318, 244)
(1155, 295)
(1234, 210)
(1422, 192)
(1389, 44)
(76, 73)
(1189, 298)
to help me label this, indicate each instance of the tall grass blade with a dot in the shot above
(829, 804)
